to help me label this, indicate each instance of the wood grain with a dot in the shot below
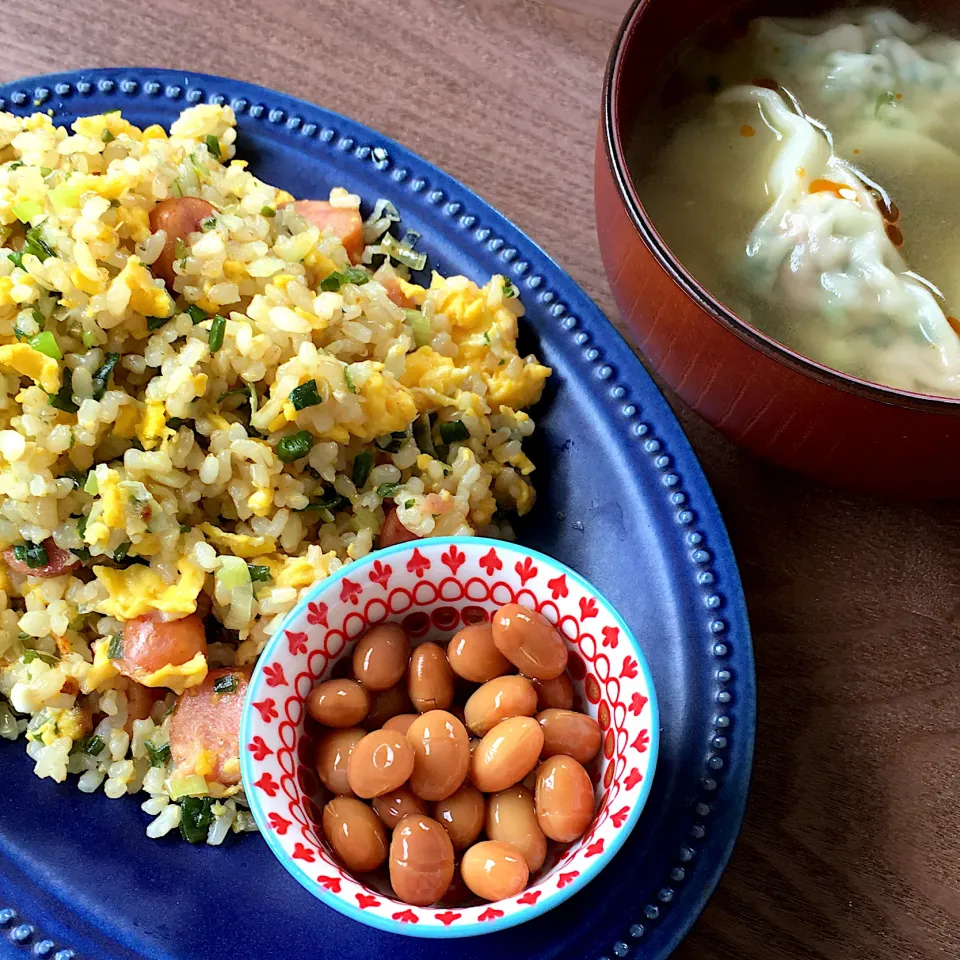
(851, 846)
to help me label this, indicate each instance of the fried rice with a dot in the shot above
(207, 433)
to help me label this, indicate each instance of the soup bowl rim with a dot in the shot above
(614, 132)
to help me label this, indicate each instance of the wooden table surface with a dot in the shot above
(851, 846)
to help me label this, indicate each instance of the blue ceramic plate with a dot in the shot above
(621, 499)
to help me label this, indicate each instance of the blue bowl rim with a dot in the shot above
(546, 903)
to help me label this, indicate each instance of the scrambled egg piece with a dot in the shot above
(433, 378)
(138, 590)
(521, 391)
(178, 677)
(153, 427)
(32, 363)
(147, 296)
(238, 544)
(103, 669)
(388, 406)
(111, 501)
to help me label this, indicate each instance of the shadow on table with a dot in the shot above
(850, 847)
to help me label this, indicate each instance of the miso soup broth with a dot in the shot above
(809, 178)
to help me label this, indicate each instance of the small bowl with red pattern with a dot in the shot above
(432, 588)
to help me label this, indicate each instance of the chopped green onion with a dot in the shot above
(486, 337)
(39, 318)
(197, 815)
(185, 528)
(16, 259)
(213, 145)
(362, 464)
(208, 224)
(102, 377)
(887, 98)
(37, 245)
(46, 343)
(268, 212)
(348, 380)
(159, 755)
(226, 684)
(420, 326)
(32, 554)
(89, 338)
(217, 328)
(107, 113)
(306, 395)
(77, 477)
(387, 490)
(120, 554)
(294, 447)
(351, 275)
(332, 502)
(403, 252)
(115, 648)
(393, 443)
(30, 655)
(191, 786)
(423, 434)
(509, 290)
(16, 165)
(107, 137)
(453, 431)
(409, 504)
(155, 323)
(82, 524)
(63, 398)
(26, 210)
(196, 314)
(175, 423)
(259, 574)
(93, 745)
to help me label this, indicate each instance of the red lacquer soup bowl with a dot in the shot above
(778, 404)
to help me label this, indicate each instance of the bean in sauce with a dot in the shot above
(555, 694)
(441, 751)
(572, 734)
(338, 703)
(474, 656)
(530, 642)
(506, 754)
(494, 870)
(462, 815)
(381, 761)
(499, 700)
(430, 679)
(391, 807)
(380, 656)
(333, 752)
(421, 860)
(355, 833)
(564, 799)
(512, 818)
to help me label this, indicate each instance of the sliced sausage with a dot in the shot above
(393, 531)
(394, 291)
(58, 562)
(205, 728)
(150, 643)
(345, 223)
(177, 217)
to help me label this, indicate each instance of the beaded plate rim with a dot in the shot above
(707, 555)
